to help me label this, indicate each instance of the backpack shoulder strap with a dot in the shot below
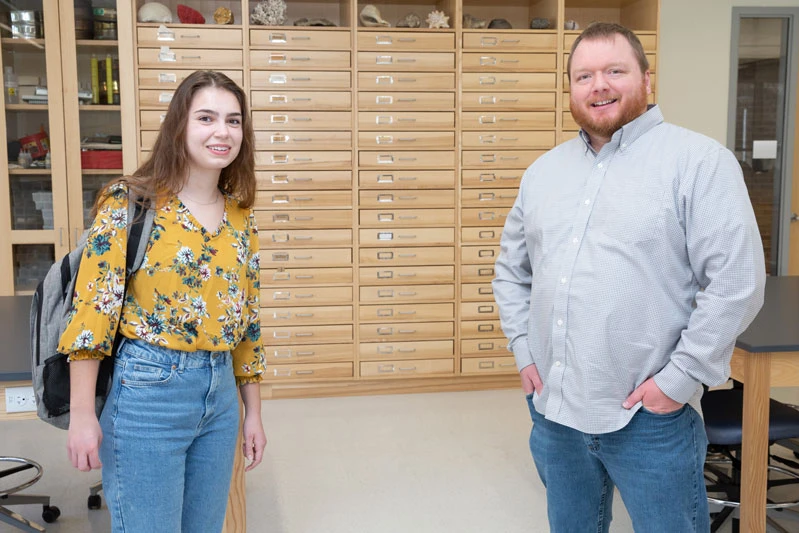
(138, 233)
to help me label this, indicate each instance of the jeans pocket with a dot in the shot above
(143, 373)
(671, 414)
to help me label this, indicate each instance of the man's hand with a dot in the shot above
(531, 381)
(652, 398)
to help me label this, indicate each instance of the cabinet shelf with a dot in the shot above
(11, 43)
(29, 171)
(101, 171)
(26, 107)
(99, 107)
(97, 43)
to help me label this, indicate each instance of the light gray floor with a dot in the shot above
(421, 463)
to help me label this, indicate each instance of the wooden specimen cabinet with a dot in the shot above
(387, 161)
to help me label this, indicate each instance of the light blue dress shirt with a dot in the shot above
(641, 260)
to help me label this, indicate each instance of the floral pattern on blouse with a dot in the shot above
(195, 290)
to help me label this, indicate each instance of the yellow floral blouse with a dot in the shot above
(195, 290)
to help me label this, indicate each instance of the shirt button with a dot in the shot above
(599, 165)
(575, 240)
(587, 201)
(562, 281)
(557, 363)
(560, 322)
(624, 145)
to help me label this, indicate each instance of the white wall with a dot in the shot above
(693, 70)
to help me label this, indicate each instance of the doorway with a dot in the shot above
(762, 125)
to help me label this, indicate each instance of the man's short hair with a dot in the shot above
(608, 30)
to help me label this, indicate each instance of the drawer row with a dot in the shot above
(338, 238)
(299, 180)
(304, 277)
(379, 332)
(313, 219)
(383, 294)
(394, 256)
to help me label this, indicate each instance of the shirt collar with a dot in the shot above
(632, 130)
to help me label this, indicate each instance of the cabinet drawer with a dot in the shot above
(300, 179)
(417, 274)
(481, 235)
(306, 334)
(310, 353)
(499, 158)
(499, 62)
(299, 59)
(403, 312)
(406, 101)
(157, 98)
(371, 351)
(488, 197)
(302, 120)
(484, 217)
(510, 41)
(306, 296)
(148, 139)
(408, 81)
(305, 237)
(508, 139)
(407, 237)
(302, 199)
(473, 273)
(303, 140)
(492, 178)
(648, 40)
(478, 329)
(403, 198)
(415, 331)
(394, 121)
(193, 37)
(300, 39)
(407, 179)
(478, 101)
(307, 100)
(407, 256)
(481, 255)
(307, 371)
(474, 347)
(169, 79)
(189, 57)
(304, 219)
(407, 293)
(377, 40)
(568, 121)
(477, 291)
(151, 120)
(406, 140)
(260, 79)
(489, 365)
(275, 277)
(404, 369)
(314, 160)
(286, 258)
(407, 159)
(295, 316)
(401, 61)
(488, 121)
(516, 81)
(407, 217)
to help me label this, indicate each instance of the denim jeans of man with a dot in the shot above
(656, 461)
(169, 436)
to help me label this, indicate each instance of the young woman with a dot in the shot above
(166, 438)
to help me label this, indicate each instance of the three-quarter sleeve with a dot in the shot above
(100, 286)
(248, 355)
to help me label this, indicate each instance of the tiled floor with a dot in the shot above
(437, 463)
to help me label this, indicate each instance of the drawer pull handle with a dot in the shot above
(385, 369)
(282, 354)
(310, 237)
(385, 331)
(280, 256)
(281, 316)
(408, 217)
(384, 139)
(281, 217)
(306, 353)
(383, 350)
(278, 99)
(507, 177)
(484, 235)
(487, 176)
(406, 236)
(407, 369)
(407, 140)
(387, 197)
(407, 159)
(165, 98)
(302, 160)
(300, 58)
(304, 372)
(485, 365)
(407, 40)
(303, 198)
(409, 275)
(410, 313)
(508, 139)
(384, 80)
(485, 253)
(488, 80)
(485, 346)
(488, 41)
(303, 257)
(383, 256)
(383, 60)
(280, 198)
(280, 159)
(165, 55)
(277, 79)
(307, 334)
(305, 218)
(488, 139)
(304, 315)
(488, 60)
(303, 119)
(406, 60)
(300, 38)
(509, 100)
(407, 350)
(301, 78)
(485, 309)
(279, 119)
(385, 236)
(488, 100)
(303, 180)
(191, 36)
(407, 178)
(385, 217)
(407, 119)
(507, 365)
(508, 119)
(281, 275)
(486, 119)
(486, 196)
(509, 80)
(191, 57)
(303, 140)
(281, 295)
(384, 99)
(301, 99)
(164, 34)
(485, 327)
(275, 37)
(406, 99)
(485, 271)
(509, 158)
(488, 158)
(275, 58)
(305, 296)
(510, 41)
(306, 276)
(383, 39)
(406, 80)
(407, 256)
(385, 312)
(486, 215)
(167, 77)
(407, 331)
(407, 293)
(385, 178)
(509, 61)
(280, 237)
(278, 138)
(384, 119)
(385, 274)
(481, 290)
(281, 335)
(282, 373)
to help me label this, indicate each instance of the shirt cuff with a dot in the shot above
(676, 384)
(83, 355)
(244, 380)
(521, 352)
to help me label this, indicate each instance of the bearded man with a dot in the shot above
(629, 264)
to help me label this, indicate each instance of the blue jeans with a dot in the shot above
(656, 461)
(169, 436)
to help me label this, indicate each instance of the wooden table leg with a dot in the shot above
(757, 368)
(236, 514)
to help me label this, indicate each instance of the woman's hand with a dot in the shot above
(254, 440)
(83, 440)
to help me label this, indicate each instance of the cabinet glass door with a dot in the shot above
(33, 230)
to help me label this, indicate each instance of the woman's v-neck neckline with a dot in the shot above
(198, 224)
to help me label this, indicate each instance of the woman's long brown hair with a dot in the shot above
(162, 175)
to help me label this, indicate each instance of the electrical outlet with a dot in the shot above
(20, 400)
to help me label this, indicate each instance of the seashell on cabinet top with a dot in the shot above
(437, 19)
(370, 16)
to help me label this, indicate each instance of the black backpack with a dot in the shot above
(49, 311)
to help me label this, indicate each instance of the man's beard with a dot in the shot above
(632, 108)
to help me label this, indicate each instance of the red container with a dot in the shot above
(37, 144)
(101, 159)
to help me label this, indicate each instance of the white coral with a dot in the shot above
(269, 13)
(437, 19)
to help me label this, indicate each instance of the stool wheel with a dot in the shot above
(95, 502)
(50, 513)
